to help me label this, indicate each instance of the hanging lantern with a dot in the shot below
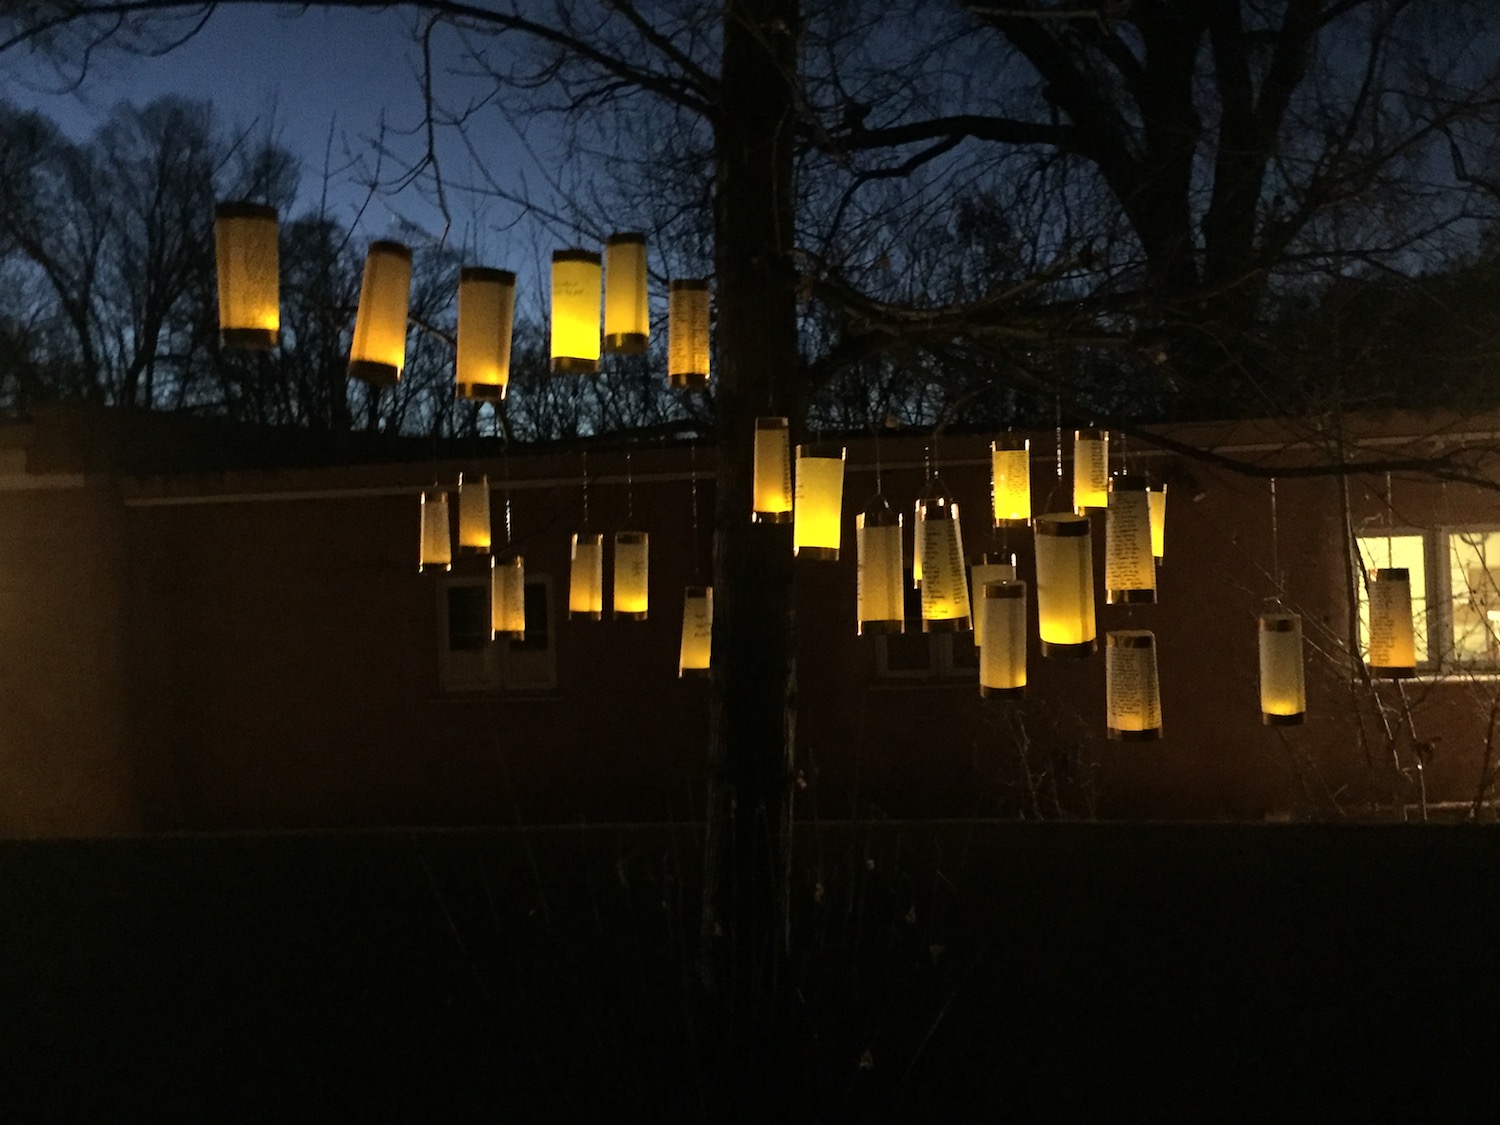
(486, 313)
(945, 586)
(437, 548)
(687, 334)
(1157, 497)
(1283, 693)
(773, 472)
(631, 557)
(981, 573)
(1001, 623)
(586, 577)
(627, 322)
(378, 351)
(1132, 694)
(1090, 470)
(1129, 569)
(916, 545)
(508, 599)
(248, 259)
(1065, 585)
(818, 505)
(697, 631)
(1010, 480)
(576, 281)
(1393, 652)
(474, 514)
(881, 601)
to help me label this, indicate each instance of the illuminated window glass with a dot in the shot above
(1380, 552)
(1474, 586)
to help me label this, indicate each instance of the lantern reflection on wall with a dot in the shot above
(1065, 585)
(817, 504)
(1283, 692)
(687, 334)
(436, 549)
(627, 321)
(474, 513)
(508, 598)
(631, 595)
(248, 260)
(945, 585)
(697, 631)
(773, 472)
(1132, 694)
(1090, 470)
(486, 315)
(982, 572)
(879, 592)
(1156, 496)
(377, 353)
(586, 577)
(1393, 650)
(1129, 568)
(1001, 622)
(576, 281)
(1010, 480)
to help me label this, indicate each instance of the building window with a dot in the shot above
(915, 655)
(469, 660)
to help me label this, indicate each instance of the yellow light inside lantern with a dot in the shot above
(1090, 470)
(687, 334)
(1158, 500)
(773, 472)
(1283, 691)
(1132, 693)
(474, 513)
(1010, 480)
(916, 545)
(1393, 648)
(436, 547)
(945, 586)
(1065, 585)
(577, 277)
(697, 631)
(627, 321)
(879, 596)
(248, 260)
(508, 599)
(1129, 568)
(586, 577)
(980, 574)
(1002, 651)
(632, 556)
(818, 505)
(377, 353)
(486, 315)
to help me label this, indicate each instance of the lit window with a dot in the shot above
(1474, 573)
(1384, 552)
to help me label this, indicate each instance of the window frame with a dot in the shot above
(501, 666)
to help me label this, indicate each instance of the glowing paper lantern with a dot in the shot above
(576, 281)
(1001, 623)
(1132, 694)
(631, 592)
(687, 334)
(248, 259)
(436, 549)
(508, 599)
(945, 585)
(586, 577)
(980, 574)
(916, 545)
(378, 351)
(1090, 470)
(1393, 650)
(486, 313)
(880, 598)
(474, 514)
(627, 322)
(1157, 497)
(818, 505)
(773, 472)
(1129, 568)
(1065, 585)
(1010, 480)
(1283, 692)
(697, 631)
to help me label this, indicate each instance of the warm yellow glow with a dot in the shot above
(1131, 692)
(1065, 584)
(687, 334)
(1283, 692)
(1090, 469)
(586, 577)
(773, 472)
(697, 631)
(879, 592)
(378, 352)
(474, 513)
(508, 598)
(631, 594)
(945, 585)
(436, 548)
(1394, 551)
(916, 545)
(248, 258)
(981, 573)
(1010, 480)
(818, 505)
(627, 321)
(1001, 623)
(1129, 568)
(1157, 497)
(486, 313)
(576, 283)
(1393, 651)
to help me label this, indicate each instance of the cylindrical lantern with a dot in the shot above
(773, 472)
(1283, 692)
(1001, 623)
(627, 322)
(916, 545)
(586, 577)
(486, 314)
(576, 280)
(1393, 651)
(631, 558)
(1157, 497)
(248, 258)
(687, 334)
(1129, 569)
(1090, 470)
(1065, 585)
(378, 351)
(945, 585)
(508, 599)
(1010, 480)
(1132, 694)
(697, 631)
(880, 595)
(437, 547)
(980, 573)
(474, 513)
(818, 505)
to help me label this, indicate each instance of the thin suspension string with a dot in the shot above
(505, 468)
(1390, 521)
(629, 491)
(585, 487)
(879, 491)
(1275, 544)
(693, 464)
(1057, 403)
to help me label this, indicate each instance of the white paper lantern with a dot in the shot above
(627, 321)
(1001, 623)
(436, 551)
(377, 353)
(632, 558)
(1393, 651)
(486, 315)
(577, 279)
(1132, 694)
(880, 592)
(1129, 568)
(247, 255)
(1065, 585)
(945, 584)
(508, 599)
(687, 334)
(1090, 470)
(1283, 692)
(586, 577)
(1010, 480)
(474, 514)
(818, 505)
(1157, 496)
(773, 472)
(697, 631)
(982, 572)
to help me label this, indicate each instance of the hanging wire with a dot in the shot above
(1057, 402)
(585, 487)
(1275, 543)
(1390, 521)
(693, 464)
(629, 491)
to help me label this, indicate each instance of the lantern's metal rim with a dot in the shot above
(395, 249)
(574, 365)
(1392, 574)
(633, 538)
(474, 549)
(1007, 443)
(1070, 651)
(1118, 735)
(1008, 693)
(1008, 521)
(627, 343)
(1131, 638)
(588, 538)
(1063, 526)
(1084, 509)
(1392, 672)
(880, 517)
(1009, 589)
(434, 567)
(947, 625)
(1091, 434)
(692, 673)
(375, 373)
(697, 592)
(688, 285)
(576, 254)
(1279, 623)
(585, 614)
(508, 634)
(487, 273)
(772, 422)
(882, 627)
(687, 380)
(770, 517)
(822, 554)
(630, 614)
(244, 209)
(626, 238)
(489, 392)
(1270, 720)
(1144, 595)
(250, 339)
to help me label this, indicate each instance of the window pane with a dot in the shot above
(538, 633)
(1474, 566)
(468, 618)
(1395, 551)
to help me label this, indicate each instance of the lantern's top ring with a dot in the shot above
(244, 209)
(626, 238)
(768, 423)
(1391, 574)
(486, 273)
(880, 514)
(691, 284)
(382, 246)
(1130, 638)
(1063, 524)
(698, 591)
(1278, 622)
(1091, 435)
(632, 537)
(1004, 588)
(811, 453)
(575, 254)
(1128, 482)
(1009, 443)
